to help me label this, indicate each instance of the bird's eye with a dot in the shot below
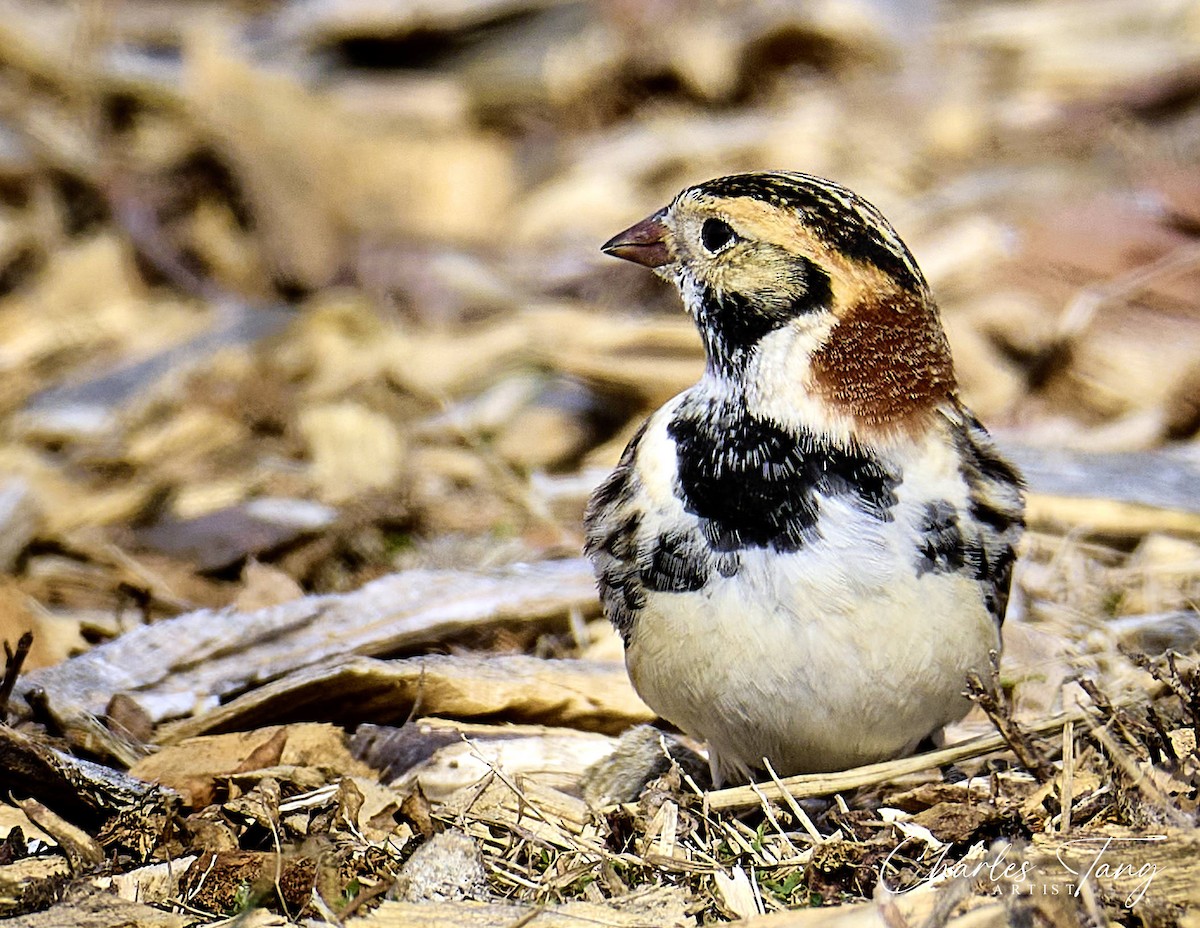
(716, 234)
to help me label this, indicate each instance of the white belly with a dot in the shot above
(825, 658)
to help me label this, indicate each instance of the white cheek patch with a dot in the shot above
(777, 380)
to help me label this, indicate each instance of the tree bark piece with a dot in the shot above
(661, 905)
(83, 793)
(100, 910)
(178, 666)
(1121, 495)
(586, 695)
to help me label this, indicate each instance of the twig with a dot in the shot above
(1188, 690)
(1068, 777)
(527, 918)
(195, 888)
(574, 842)
(364, 896)
(756, 891)
(1141, 779)
(735, 837)
(797, 809)
(83, 852)
(1164, 737)
(270, 816)
(12, 669)
(805, 786)
(1012, 734)
(766, 807)
(1184, 684)
(1125, 723)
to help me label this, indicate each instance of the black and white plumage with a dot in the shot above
(807, 551)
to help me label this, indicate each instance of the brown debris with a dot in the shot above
(228, 882)
(956, 822)
(100, 910)
(987, 698)
(84, 793)
(14, 658)
(194, 766)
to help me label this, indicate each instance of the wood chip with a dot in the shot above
(663, 906)
(1155, 867)
(578, 694)
(192, 766)
(156, 884)
(353, 449)
(100, 910)
(556, 757)
(736, 893)
(80, 791)
(172, 667)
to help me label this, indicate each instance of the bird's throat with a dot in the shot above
(732, 325)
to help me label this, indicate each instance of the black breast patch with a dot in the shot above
(753, 484)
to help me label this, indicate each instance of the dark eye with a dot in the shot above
(715, 234)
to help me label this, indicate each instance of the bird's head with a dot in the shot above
(802, 267)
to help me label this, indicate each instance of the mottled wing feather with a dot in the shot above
(996, 507)
(611, 524)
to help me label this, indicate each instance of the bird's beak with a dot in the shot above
(644, 243)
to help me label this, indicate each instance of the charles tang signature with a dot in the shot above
(995, 868)
(1109, 864)
(1109, 860)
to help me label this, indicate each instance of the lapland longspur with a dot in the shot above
(807, 551)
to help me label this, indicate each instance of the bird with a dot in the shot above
(807, 552)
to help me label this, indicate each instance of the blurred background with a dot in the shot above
(294, 294)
